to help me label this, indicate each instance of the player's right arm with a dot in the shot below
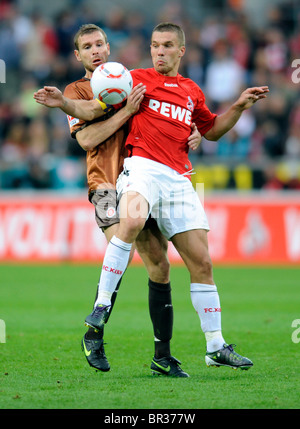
(96, 133)
(86, 110)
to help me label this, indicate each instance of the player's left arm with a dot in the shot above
(86, 110)
(224, 122)
(194, 139)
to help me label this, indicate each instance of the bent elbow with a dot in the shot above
(215, 135)
(88, 115)
(84, 146)
(87, 145)
(211, 136)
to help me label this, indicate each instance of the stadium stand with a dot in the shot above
(237, 43)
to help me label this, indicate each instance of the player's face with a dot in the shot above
(92, 51)
(166, 52)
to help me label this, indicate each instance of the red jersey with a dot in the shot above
(160, 129)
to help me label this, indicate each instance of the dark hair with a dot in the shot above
(86, 29)
(168, 26)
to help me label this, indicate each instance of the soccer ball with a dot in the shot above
(111, 83)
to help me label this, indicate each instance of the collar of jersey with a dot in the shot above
(168, 79)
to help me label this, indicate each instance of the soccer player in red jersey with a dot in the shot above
(156, 180)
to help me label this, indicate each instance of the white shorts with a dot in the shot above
(173, 202)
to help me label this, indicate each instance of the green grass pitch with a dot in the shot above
(43, 367)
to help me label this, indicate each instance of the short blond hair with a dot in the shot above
(173, 28)
(86, 29)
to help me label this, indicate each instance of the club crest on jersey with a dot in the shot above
(190, 104)
(72, 121)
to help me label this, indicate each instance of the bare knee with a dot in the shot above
(129, 229)
(202, 272)
(193, 248)
(159, 270)
(153, 249)
(156, 261)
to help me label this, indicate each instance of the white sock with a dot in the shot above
(114, 264)
(214, 341)
(206, 301)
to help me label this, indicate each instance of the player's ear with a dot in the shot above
(182, 51)
(108, 48)
(77, 55)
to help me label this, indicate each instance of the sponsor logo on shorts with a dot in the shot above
(110, 212)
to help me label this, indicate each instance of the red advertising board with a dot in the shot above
(255, 229)
(244, 229)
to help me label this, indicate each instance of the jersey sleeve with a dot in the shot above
(75, 124)
(138, 76)
(81, 90)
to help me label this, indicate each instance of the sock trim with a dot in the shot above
(201, 287)
(115, 241)
(160, 287)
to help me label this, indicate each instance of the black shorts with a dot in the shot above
(105, 203)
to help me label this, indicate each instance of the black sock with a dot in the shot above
(161, 314)
(113, 298)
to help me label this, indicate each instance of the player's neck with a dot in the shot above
(88, 74)
(172, 73)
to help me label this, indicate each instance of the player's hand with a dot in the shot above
(194, 139)
(135, 98)
(49, 96)
(251, 96)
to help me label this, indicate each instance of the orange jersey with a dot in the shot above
(105, 161)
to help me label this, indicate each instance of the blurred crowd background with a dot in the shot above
(231, 45)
